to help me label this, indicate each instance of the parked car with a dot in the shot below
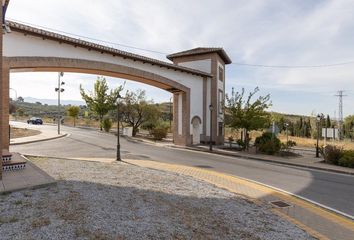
(35, 120)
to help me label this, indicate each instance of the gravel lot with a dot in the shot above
(95, 200)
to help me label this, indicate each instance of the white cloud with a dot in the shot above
(274, 32)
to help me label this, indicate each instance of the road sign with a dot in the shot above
(330, 133)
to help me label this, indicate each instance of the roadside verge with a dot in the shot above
(314, 219)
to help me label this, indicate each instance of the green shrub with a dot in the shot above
(159, 132)
(268, 144)
(288, 145)
(331, 154)
(241, 143)
(148, 126)
(107, 124)
(347, 159)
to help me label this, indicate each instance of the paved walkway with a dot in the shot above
(48, 134)
(317, 221)
(28, 178)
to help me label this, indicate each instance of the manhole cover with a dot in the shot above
(280, 204)
(202, 166)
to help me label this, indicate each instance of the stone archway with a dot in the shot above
(54, 64)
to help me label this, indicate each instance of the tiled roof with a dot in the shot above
(19, 27)
(198, 51)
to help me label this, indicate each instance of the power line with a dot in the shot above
(164, 53)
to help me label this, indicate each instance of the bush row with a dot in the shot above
(338, 156)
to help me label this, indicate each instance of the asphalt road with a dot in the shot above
(330, 189)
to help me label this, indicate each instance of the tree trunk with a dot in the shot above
(247, 139)
(135, 130)
(101, 123)
(74, 122)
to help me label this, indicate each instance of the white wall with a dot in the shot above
(201, 65)
(19, 45)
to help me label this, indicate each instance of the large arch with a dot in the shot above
(56, 64)
(196, 77)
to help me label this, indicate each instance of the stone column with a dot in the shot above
(1, 101)
(5, 87)
(181, 119)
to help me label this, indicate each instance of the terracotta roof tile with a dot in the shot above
(198, 51)
(19, 27)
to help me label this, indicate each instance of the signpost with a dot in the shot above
(330, 133)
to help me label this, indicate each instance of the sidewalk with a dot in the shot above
(318, 222)
(29, 178)
(47, 134)
(307, 160)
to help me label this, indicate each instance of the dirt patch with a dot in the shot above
(22, 132)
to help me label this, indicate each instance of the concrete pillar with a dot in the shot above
(181, 119)
(1, 92)
(5, 86)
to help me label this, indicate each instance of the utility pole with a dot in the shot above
(340, 96)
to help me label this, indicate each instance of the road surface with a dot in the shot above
(330, 189)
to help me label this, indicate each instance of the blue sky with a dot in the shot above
(272, 32)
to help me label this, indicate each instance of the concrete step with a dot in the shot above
(6, 155)
(17, 162)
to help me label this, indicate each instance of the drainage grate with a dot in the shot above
(280, 204)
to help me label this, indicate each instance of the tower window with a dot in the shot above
(221, 74)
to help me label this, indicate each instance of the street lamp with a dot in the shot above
(318, 119)
(59, 89)
(287, 134)
(118, 158)
(211, 108)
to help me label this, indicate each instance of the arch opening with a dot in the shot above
(54, 64)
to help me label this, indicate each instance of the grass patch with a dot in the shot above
(22, 132)
(4, 220)
(18, 202)
(92, 235)
(40, 222)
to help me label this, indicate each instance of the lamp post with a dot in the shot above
(211, 108)
(287, 134)
(118, 158)
(59, 89)
(318, 119)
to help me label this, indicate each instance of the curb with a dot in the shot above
(40, 140)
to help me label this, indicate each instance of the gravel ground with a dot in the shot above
(119, 201)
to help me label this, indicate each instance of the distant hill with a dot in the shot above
(53, 101)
